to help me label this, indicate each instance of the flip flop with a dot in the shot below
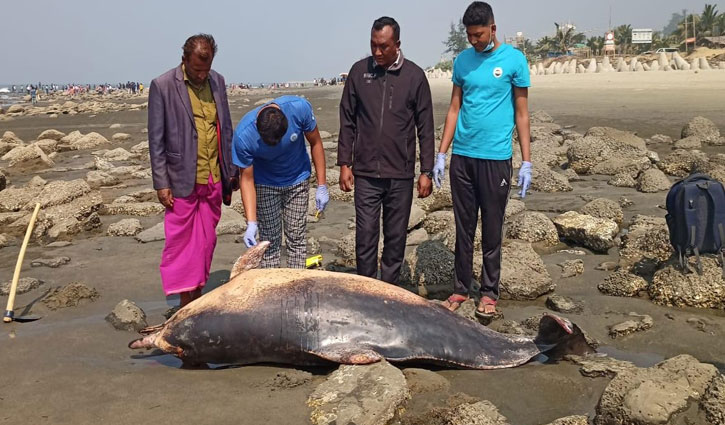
(486, 301)
(455, 301)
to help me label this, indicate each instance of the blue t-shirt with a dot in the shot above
(286, 163)
(486, 121)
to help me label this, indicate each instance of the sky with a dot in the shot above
(96, 41)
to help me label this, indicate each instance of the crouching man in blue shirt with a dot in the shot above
(490, 95)
(269, 147)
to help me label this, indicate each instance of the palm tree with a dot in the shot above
(623, 38)
(595, 43)
(566, 37)
(709, 18)
(544, 45)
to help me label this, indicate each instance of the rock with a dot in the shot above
(441, 226)
(671, 287)
(637, 324)
(652, 181)
(617, 165)
(50, 262)
(51, 134)
(682, 162)
(545, 180)
(646, 246)
(59, 192)
(141, 148)
(127, 316)
(594, 233)
(479, 413)
(602, 145)
(416, 237)
(600, 366)
(701, 129)
(24, 154)
(10, 138)
(362, 395)
(142, 209)
(523, 273)
(571, 420)
(25, 284)
(118, 154)
(89, 141)
(532, 227)
(660, 138)
(654, 395)
(15, 109)
(230, 223)
(513, 207)
(428, 270)
(115, 126)
(438, 200)
(325, 135)
(622, 283)
(3, 181)
(417, 215)
(541, 117)
(563, 304)
(263, 101)
(691, 142)
(604, 208)
(121, 137)
(48, 146)
(713, 403)
(571, 268)
(313, 246)
(71, 138)
(421, 381)
(623, 180)
(153, 234)
(98, 179)
(125, 227)
(69, 295)
(7, 240)
(624, 202)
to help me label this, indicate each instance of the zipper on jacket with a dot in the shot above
(382, 115)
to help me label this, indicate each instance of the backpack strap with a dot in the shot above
(716, 192)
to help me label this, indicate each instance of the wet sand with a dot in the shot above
(71, 367)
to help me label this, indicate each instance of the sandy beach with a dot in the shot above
(72, 367)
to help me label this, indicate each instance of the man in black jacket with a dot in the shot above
(385, 100)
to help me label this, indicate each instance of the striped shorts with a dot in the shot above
(278, 207)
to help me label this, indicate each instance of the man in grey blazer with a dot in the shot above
(190, 137)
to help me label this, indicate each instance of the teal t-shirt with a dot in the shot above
(486, 121)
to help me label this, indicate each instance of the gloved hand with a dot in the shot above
(524, 178)
(439, 169)
(250, 234)
(322, 197)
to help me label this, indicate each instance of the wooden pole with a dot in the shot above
(9, 313)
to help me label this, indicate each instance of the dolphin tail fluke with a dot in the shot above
(558, 337)
(148, 341)
(251, 259)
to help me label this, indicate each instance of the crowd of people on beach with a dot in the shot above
(36, 91)
(386, 107)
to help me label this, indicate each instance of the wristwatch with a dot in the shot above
(429, 174)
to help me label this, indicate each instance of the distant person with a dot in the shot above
(33, 95)
(269, 147)
(140, 88)
(190, 141)
(386, 104)
(490, 92)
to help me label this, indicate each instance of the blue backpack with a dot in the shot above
(696, 218)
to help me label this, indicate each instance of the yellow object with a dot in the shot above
(314, 261)
(16, 275)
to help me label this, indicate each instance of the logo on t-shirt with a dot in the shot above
(293, 137)
(497, 72)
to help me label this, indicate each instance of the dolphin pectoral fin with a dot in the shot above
(348, 354)
(251, 259)
(558, 337)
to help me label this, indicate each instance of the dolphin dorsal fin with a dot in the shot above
(251, 259)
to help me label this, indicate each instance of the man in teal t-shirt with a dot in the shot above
(490, 96)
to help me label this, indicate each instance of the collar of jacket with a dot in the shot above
(396, 65)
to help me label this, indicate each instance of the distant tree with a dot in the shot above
(623, 38)
(709, 18)
(457, 40)
(566, 37)
(529, 50)
(544, 45)
(444, 65)
(596, 43)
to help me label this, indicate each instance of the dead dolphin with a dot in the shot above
(312, 317)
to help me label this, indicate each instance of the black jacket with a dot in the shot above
(379, 113)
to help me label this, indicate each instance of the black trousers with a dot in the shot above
(479, 184)
(395, 196)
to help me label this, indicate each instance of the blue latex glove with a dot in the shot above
(524, 178)
(322, 197)
(439, 169)
(250, 234)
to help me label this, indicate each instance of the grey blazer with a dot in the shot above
(172, 132)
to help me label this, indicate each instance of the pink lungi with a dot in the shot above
(190, 228)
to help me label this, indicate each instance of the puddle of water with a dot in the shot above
(639, 359)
